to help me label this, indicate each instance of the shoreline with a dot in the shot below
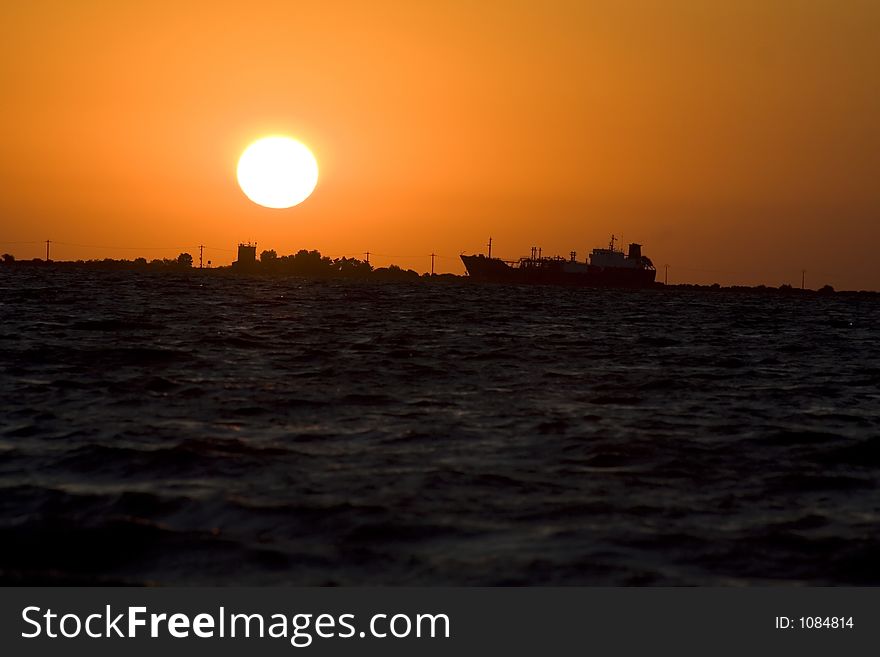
(392, 273)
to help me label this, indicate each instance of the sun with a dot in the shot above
(277, 172)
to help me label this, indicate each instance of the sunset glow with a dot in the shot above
(737, 141)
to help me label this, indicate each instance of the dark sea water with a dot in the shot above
(201, 429)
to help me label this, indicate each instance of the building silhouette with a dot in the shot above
(247, 256)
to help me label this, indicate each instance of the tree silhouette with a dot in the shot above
(352, 267)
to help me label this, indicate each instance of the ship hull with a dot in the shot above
(493, 270)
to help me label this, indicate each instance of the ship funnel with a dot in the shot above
(635, 251)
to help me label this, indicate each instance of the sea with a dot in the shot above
(208, 429)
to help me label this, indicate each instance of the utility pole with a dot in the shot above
(803, 278)
(432, 263)
(367, 255)
(490, 247)
(47, 250)
(666, 275)
(201, 249)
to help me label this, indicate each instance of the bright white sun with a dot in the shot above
(277, 172)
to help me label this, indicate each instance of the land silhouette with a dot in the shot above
(304, 263)
(312, 264)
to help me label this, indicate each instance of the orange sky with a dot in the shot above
(739, 141)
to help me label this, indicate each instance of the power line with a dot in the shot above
(397, 255)
(132, 248)
(217, 248)
(138, 248)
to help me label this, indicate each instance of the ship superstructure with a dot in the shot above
(609, 266)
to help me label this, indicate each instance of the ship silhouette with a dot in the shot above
(608, 267)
